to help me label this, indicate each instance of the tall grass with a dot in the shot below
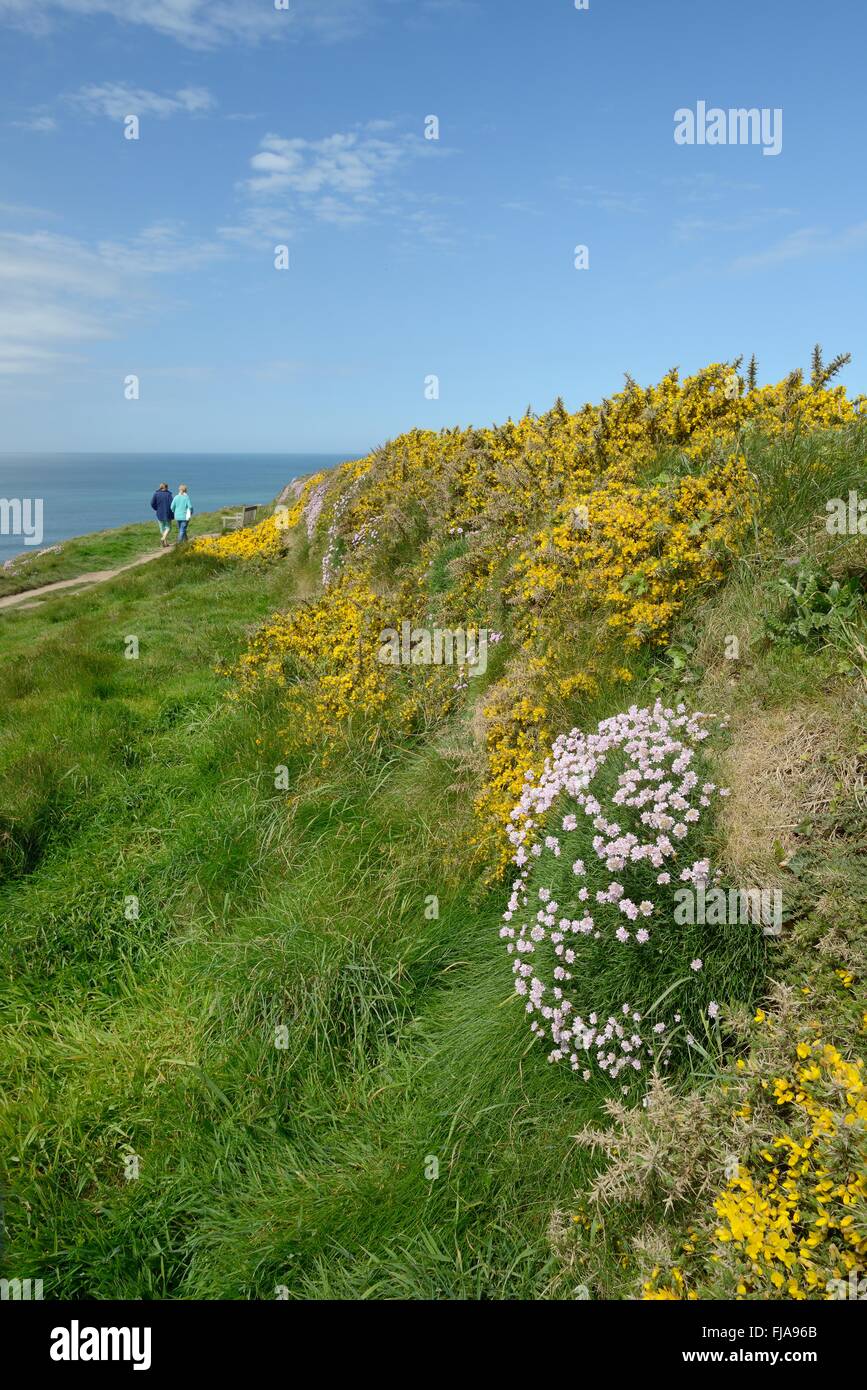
(156, 1035)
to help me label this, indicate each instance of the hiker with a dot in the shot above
(162, 505)
(182, 510)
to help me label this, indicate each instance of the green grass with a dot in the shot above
(258, 1165)
(797, 474)
(103, 550)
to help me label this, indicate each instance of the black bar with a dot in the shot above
(689, 1338)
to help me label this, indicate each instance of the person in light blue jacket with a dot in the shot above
(182, 510)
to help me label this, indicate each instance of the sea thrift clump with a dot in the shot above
(313, 507)
(629, 791)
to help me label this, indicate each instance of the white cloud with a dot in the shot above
(37, 122)
(24, 210)
(708, 188)
(35, 324)
(22, 359)
(348, 164)
(160, 249)
(48, 301)
(202, 23)
(57, 291)
(341, 179)
(256, 226)
(117, 100)
(43, 262)
(816, 242)
(520, 205)
(688, 228)
(591, 195)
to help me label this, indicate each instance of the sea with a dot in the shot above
(81, 493)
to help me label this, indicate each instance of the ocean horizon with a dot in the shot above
(84, 492)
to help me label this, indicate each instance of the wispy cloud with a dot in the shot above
(159, 249)
(815, 242)
(708, 188)
(690, 228)
(345, 165)
(425, 14)
(51, 295)
(428, 218)
(203, 24)
(117, 100)
(39, 121)
(58, 292)
(519, 205)
(342, 179)
(592, 195)
(25, 210)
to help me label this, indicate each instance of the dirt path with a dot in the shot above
(93, 577)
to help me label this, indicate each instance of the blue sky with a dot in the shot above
(409, 257)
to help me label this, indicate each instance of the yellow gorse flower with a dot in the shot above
(789, 1224)
(557, 514)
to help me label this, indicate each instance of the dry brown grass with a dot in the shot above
(785, 766)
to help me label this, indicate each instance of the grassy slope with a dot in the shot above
(262, 1166)
(103, 550)
(158, 1035)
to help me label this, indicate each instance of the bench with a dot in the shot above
(236, 521)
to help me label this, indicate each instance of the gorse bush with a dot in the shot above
(797, 1216)
(792, 1219)
(264, 541)
(581, 536)
(638, 552)
(324, 657)
(322, 644)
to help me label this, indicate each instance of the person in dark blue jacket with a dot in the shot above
(162, 505)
